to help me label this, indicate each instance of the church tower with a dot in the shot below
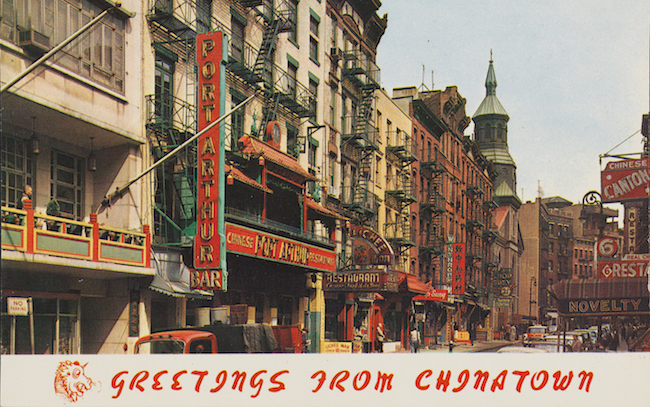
(491, 135)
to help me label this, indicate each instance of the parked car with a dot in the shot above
(222, 338)
(534, 333)
(552, 346)
(521, 349)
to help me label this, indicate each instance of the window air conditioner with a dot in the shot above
(33, 42)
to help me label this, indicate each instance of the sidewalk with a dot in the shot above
(479, 346)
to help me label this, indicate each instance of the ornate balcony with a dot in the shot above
(51, 240)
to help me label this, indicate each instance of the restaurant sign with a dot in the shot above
(209, 258)
(458, 265)
(362, 280)
(255, 243)
(603, 306)
(370, 248)
(625, 180)
(622, 268)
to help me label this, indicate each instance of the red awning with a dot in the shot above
(241, 177)
(599, 288)
(257, 148)
(322, 210)
(409, 283)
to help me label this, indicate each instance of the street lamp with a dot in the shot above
(533, 283)
(592, 199)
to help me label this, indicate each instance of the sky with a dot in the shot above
(572, 75)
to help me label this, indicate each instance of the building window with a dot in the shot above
(293, 148)
(313, 102)
(164, 89)
(236, 123)
(293, 16)
(313, 49)
(98, 55)
(17, 167)
(292, 71)
(333, 106)
(237, 28)
(67, 183)
(56, 327)
(331, 168)
(203, 15)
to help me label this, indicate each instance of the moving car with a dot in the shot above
(534, 333)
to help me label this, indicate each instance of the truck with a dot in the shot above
(224, 338)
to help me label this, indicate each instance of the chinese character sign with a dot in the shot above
(458, 269)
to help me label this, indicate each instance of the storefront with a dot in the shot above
(588, 302)
(356, 301)
(77, 289)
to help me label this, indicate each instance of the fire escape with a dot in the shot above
(401, 193)
(171, 118)
(490, 265)
(359, 139)
(432, 208)
(256, 68)
(475, 249)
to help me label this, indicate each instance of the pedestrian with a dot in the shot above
(472, 333)
(577, 344)
(305, 340)
(513, 332)
(414, 341)
(613, 341)
(379, 345)
(506, 332)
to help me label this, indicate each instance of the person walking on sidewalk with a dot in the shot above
(379, 344)
(414, 340)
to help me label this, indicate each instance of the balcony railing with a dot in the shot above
(364, 135)
(400, 233)
(402, 146)
(278, 226)
(174, 117)
(402, 188)
(433, 202)
(33, 233)
(431, 241)
(356, 64)
(359, 200)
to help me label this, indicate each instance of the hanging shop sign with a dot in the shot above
(369, 248)
(134, 313)
(362, 280)
(607, 247)
(433, 295)
(449, 263)
(458, 266)
(625, 180)
(622, 268)
(630, 226)
(254, 243)
(603, 306)
(208, 255)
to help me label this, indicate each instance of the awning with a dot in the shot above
(322, 210)
(241, 177)
(172, 277)
(177, 289)
(257, 148)
(409, 283)
(599, 288)
(601, 297)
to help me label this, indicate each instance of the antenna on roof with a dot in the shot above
(423, 85)
(432, 83)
